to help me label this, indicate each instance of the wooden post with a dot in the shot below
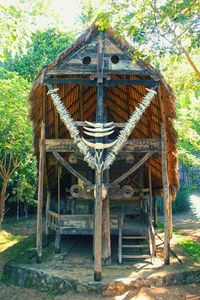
(106, 245)
(170, 217)
(166, 197)
(47, 209)
(98, 228)
(59, 175)
(58, 241)
(40, 194)
(99, 173)
(150, 192)
(155, 215)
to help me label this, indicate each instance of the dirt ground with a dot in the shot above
(186, 224)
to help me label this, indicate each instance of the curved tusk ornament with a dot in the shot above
(98, 134)
(99, 125)
(98, 146)
(99, 129)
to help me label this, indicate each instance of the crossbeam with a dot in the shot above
(133, 145)
(132, 169)
(70, 168)
(111, 83)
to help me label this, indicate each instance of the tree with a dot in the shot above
(16, 134)
(18, 20)
(169, 25)
(43, 47)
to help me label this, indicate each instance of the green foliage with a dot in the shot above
(17, 20)
(181, 203)
(43, 48)
(192, 248)
(16, 131)
(186, 86)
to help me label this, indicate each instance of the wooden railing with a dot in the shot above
(53, 219)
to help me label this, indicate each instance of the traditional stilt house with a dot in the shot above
(106, 146)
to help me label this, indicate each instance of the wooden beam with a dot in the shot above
(40, 194)
(142, 82)
(70, 168)
(166, 197)
(133, 169)
(133, 145)
(112, 83)
(86, 82)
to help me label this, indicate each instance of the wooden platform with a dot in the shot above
(83, 224)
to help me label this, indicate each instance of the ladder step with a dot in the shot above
(135, 256)
(135, 246)
(139, 237)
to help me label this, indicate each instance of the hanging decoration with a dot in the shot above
(93, 152)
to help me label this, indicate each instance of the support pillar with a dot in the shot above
(166, 197)
(106, 244)
(150, 192)
(155, 212)
(47, 209)
(40, 195)
(98, 228)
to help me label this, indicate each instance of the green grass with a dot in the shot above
(191, 248)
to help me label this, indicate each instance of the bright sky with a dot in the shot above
(64, 11)
(67, 10)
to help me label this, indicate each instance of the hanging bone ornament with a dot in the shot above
(98, 134)
(99, 129)
(98, 146)
(99, 125)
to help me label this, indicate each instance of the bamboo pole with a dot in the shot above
(166, 197)
(40, 194)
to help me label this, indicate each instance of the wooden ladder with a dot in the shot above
(128, 242)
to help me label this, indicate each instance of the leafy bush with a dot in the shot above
(181, 203)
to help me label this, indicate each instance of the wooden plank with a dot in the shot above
(129, 72)
(133, 169)
(40, 194)
(70, 168)
(133, 145)
(85, 82)
(142, 82)
(166, 197)
(74, 71)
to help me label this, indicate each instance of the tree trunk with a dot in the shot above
(2, 200)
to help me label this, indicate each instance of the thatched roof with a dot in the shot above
(121, 100)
